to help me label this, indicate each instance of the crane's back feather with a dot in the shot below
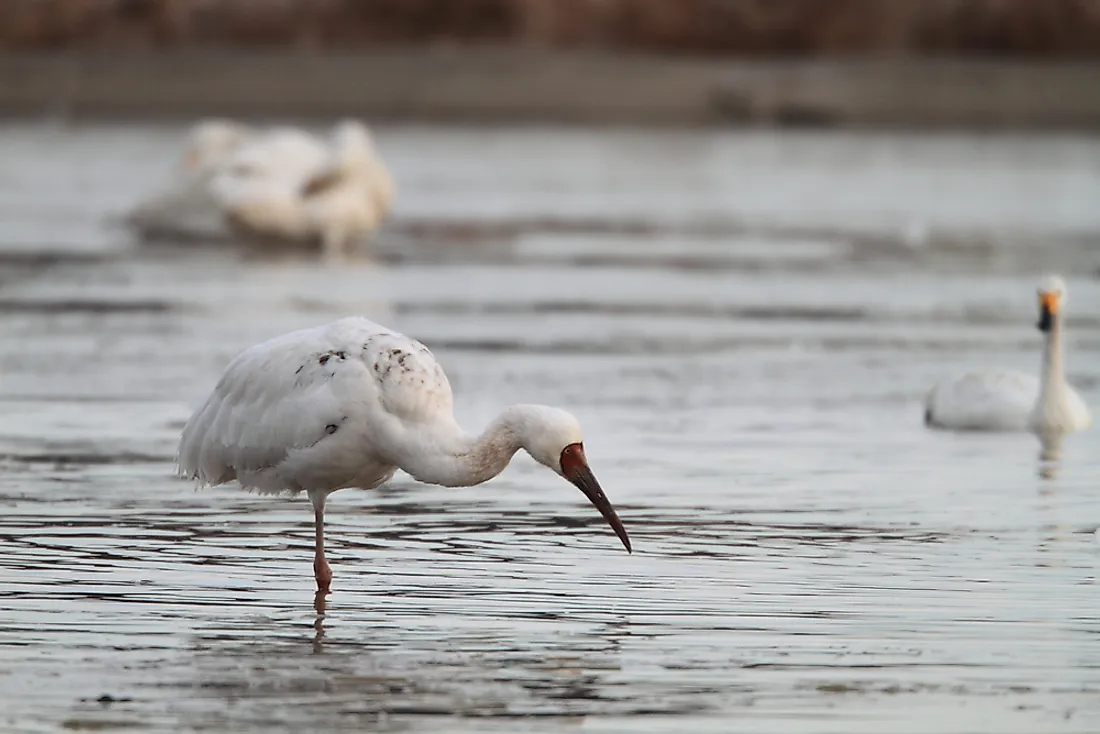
(312, 409)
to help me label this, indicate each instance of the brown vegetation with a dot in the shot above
(743, 27)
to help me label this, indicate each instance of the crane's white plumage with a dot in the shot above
(347, 404)
(1000, 400)
(302, 411)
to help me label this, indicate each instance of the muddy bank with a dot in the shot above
(801, 27)
(512, 85)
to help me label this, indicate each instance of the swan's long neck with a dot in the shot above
(351, 154)
(447, 455)
(1052, 379)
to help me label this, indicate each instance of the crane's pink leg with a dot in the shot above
(321, 569)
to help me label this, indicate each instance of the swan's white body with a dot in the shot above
(336, 198)
(985, 400)
(999, 400)
(278, 152)
(347, 404)
(254, 180)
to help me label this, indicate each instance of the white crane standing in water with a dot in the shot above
(345, 405)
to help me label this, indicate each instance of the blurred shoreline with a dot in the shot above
(731, 28)
(510, 84)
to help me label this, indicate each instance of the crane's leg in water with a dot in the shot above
(321, 569)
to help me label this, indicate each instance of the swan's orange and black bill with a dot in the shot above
(574, 465)
(1050, 301)
(1048, 309)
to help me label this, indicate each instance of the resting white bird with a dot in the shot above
(340, 199)
(1000, 400)
(185, 207)
(345, 405)
(216, 150)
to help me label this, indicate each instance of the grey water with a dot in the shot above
(744, 322)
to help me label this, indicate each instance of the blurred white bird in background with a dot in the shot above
(347, 404)
(1006, 400)
(279, 184)
(185, 209)
(335, 200)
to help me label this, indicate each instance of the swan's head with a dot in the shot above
(352, 140)
(1052, 298)
(210, 141)
(553, 438)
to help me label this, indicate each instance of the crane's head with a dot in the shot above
(553, 438)
(1052, 297)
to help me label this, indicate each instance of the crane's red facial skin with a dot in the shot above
(572, 459)
(574, 467)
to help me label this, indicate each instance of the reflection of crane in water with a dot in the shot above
(345, 405)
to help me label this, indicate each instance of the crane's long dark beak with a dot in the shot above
(574, 466)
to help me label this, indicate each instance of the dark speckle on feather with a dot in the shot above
(331, 428)
(299, 369)
(341, 355)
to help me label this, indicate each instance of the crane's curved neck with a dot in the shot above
(448, 456)
(1052, 380)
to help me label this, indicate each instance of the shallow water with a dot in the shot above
(807, 556)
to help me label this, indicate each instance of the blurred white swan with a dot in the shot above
(259, 180)
(337, 201)
(185, 207)
(1002, 400)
